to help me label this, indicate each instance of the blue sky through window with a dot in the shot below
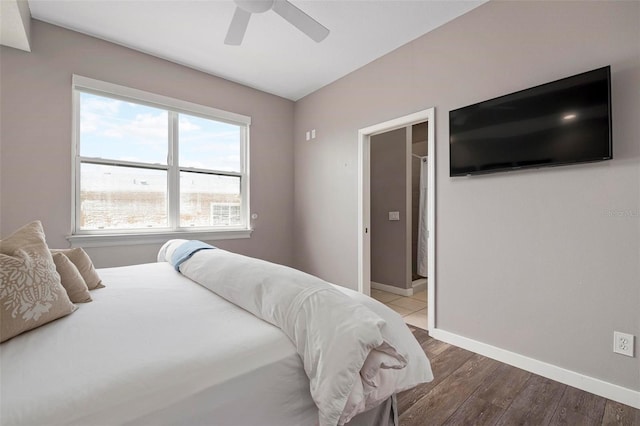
(120, 130)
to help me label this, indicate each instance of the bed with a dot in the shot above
(157, 348)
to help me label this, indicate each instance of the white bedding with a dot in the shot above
(155, 348)
(116, 361)
(353, 359)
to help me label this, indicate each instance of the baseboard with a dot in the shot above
(392, 289)
(419, 285)
(586, 383)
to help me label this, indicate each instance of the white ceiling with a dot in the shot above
(275, 57)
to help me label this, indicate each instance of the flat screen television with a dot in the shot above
(563, 122)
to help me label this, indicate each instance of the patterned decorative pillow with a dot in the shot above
(31, 294)
(83, 262)
(71, 279)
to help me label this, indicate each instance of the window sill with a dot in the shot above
(107, 240)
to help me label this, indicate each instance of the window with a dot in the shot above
(148, 164)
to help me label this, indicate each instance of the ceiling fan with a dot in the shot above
(296, 17)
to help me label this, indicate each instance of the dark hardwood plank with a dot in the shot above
(469, 389)
(420, 334)
(535, 404)
(433, 347)
(475, 411)
(503, 386)
(616, 414)
(442, 365)
(445, 398)
(578, 407)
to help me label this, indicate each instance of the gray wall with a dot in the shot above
(545, 263)
(388, 193)
(36, 137)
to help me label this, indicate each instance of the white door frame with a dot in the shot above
(364, 202)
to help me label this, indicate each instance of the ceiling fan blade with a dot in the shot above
(238, 27)
(301, 20)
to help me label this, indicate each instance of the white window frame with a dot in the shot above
(97, 238)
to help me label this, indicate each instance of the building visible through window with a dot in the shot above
(225, 214)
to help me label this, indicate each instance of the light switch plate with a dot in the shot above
(394, 215)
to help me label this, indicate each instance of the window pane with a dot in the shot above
(120, 130)
(209, 200)
(209, 144)
(115, 197)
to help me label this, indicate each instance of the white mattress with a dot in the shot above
(154, 348)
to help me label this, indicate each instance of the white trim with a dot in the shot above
(392, 289)
(364, 206)
(173, 172)
(107, 240)
(419, 285)
(416, 287)
(396, 123)
(586, 383)
(364, 202)
(245, 189)
(431, 219)
(111, 89)
(75, 158)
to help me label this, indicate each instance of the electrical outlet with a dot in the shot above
(623, 343)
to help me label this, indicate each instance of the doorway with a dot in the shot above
(364, 201)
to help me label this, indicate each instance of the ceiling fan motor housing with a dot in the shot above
(255, 6)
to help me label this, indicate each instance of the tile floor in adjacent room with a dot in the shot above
(412, 308)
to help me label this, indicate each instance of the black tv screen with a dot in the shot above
(563, 122)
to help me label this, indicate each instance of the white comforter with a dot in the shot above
(153, 348)
(353, 357)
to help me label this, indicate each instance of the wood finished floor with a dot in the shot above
(469, 389)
